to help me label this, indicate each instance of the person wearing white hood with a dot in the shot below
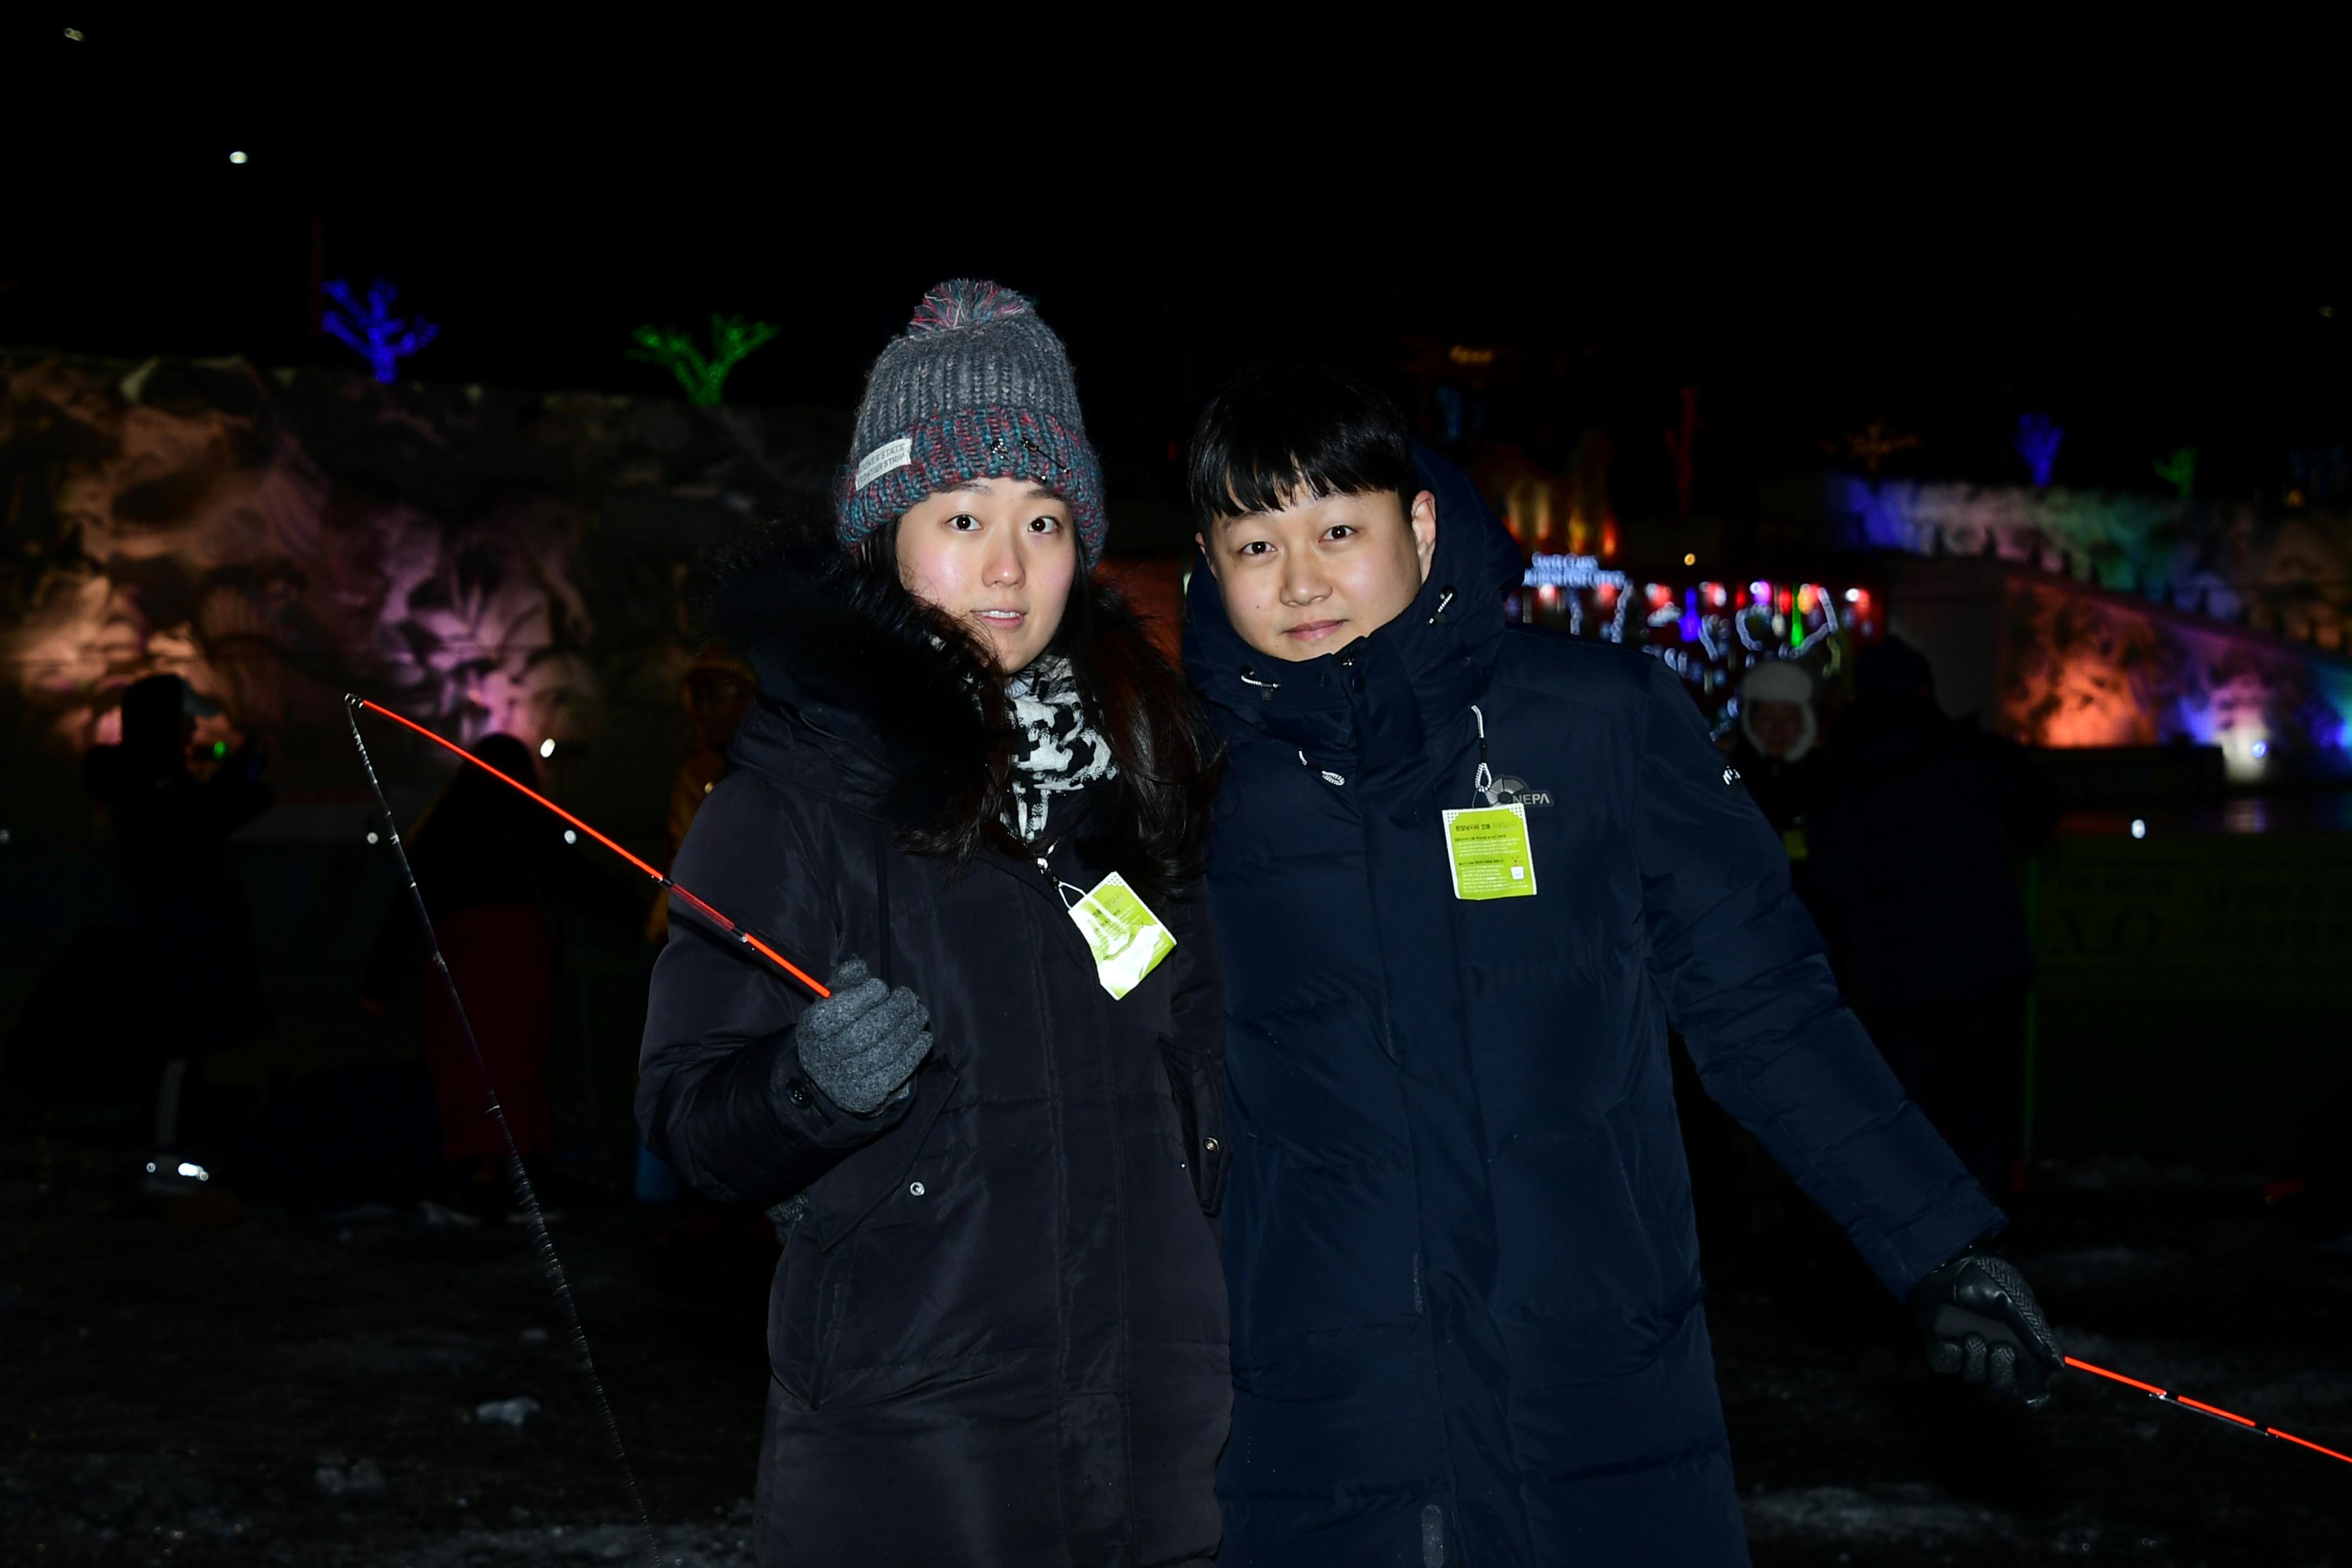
(1776, 730)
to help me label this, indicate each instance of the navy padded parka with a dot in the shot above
(1458, 1236)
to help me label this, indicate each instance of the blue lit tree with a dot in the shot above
(381, 338)
(2037, 442)
(704, 376)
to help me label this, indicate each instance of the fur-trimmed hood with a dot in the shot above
(861, 699)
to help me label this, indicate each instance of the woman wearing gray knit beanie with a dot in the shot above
(995, 1150)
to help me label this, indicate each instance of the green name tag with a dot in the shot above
(1126, 938)
(1487, 852)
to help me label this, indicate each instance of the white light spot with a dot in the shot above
(151, 1167)
(236, 157)
(546, 748)
(1854, 596)
(194, 1171)
(2139, 828)
(372, 839)
(570, 837)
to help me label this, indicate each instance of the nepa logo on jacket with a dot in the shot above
(1509, 791)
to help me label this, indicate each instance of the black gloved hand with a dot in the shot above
(1983, 1325)
(862, 1044)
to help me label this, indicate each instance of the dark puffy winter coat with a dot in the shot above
(998, 1334)
(1458, 1230)
(193, 947)
(1911, 820)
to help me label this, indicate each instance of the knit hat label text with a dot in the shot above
(889, 456)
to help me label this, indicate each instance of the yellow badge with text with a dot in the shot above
(1487, 852)
(1126, 938)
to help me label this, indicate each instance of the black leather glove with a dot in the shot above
(862, 1044)
(1984, 1326)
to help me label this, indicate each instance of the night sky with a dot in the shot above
(1799, 250)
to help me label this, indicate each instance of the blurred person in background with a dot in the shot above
(718, 690)
(192, 951)
(485, 858)
(1773, 745)
(1911, 825)
(1744, 1196)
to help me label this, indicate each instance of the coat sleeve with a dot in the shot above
(721, 1095)
(1744, 979)
(1196, 1049)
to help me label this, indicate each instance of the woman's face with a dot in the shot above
(998, 555)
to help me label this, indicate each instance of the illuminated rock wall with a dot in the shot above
(2120, 620)
(480, 560)
(2287, 574)
(2082, 667)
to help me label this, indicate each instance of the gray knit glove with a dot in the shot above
(862, 1044)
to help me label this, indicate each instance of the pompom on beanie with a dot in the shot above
(977, 387)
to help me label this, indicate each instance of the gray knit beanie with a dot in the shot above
(977, 388)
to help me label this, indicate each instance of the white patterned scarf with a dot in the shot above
(1059, 750)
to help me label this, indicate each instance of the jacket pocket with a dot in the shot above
(811, 1292)
(1197, 1086)
(842, 1199)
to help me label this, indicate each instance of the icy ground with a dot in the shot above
(181, 1383)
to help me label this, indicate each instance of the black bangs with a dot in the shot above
(1280, 433)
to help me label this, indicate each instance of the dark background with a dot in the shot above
(1952, 232)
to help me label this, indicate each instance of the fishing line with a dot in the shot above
(746, 937)
(2199, 1407)
(542, 1243)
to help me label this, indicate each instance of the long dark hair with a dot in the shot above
(1151, 824)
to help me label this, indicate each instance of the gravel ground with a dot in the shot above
(190, 1382)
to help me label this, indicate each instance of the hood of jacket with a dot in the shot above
(860, 698)
(1375, 699)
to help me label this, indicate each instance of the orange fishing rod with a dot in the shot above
(2201, 1408)
(728, 926)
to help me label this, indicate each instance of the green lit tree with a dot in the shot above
(2180, 472)
(704, 375)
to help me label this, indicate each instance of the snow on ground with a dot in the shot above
(190, 1386)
